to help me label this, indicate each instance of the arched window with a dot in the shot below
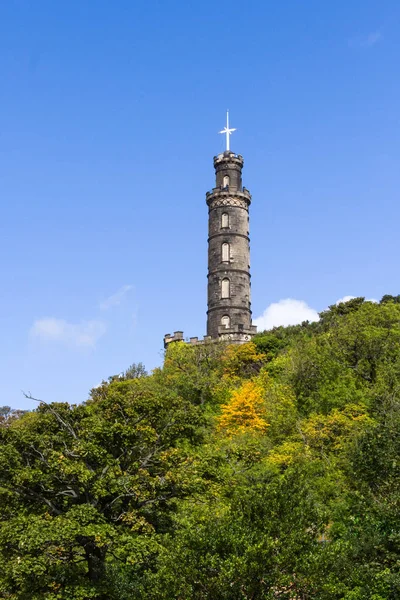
(225, 220)
(225, 252)
(225, 288)
(226, 321)
(226, 181)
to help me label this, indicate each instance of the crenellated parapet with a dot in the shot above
(178, 337)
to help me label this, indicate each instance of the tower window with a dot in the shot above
(225, 252)
(226, 181)
(225, 220)
(226, 321)
(225, 288)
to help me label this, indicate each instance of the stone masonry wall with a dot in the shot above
(229, 224)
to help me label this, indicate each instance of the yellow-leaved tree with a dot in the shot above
(245, 412)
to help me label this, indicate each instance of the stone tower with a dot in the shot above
(229, 303)
(229, 312)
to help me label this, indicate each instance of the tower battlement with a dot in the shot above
(177, 336)
(228, 156)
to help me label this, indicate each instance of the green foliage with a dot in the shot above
(263, 471)
(254, 541)
(135, 371)
(335, 311)
(241, 362)
(79, 483)
(389, 298)
(192, 370)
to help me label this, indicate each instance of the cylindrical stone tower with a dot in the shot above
(229, 312)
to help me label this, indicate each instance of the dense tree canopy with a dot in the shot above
(263, 471)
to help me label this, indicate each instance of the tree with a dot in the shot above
(245, 412)
(388, 298)
(242, 361)
(262, 471)
(8, 415)
(192, 371)
(135, 371)
(80, 485)
(258, 539)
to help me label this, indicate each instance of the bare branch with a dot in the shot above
(68, 492)
(28, 492)
(66, 425)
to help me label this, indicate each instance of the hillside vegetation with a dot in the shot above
(263, 471)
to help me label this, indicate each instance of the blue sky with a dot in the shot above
(109, 113)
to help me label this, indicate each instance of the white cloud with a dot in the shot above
(372, 38)
(367, 42)
(292, 312)
(285, 312)
(344, 299)
(115, 299)
(82, 335)
(348, 298)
